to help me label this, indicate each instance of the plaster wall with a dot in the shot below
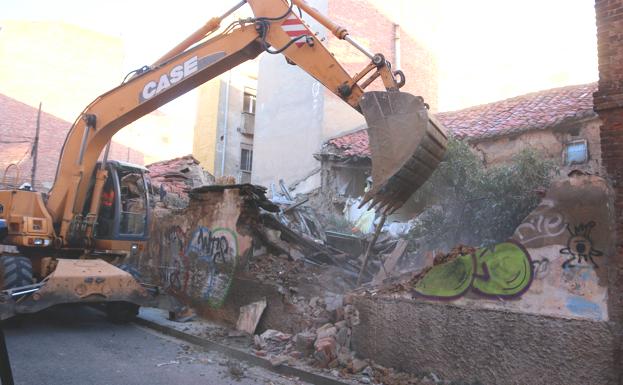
(548, 143)
(288, 122)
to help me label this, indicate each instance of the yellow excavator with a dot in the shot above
(72, 243)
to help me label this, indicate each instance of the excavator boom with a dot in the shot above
(395, 134)
(79, 221)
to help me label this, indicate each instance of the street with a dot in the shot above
(78, 345)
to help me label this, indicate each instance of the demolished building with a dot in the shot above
(559, 124)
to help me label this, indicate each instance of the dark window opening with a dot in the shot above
(246, 159)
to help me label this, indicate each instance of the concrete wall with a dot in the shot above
(288, 123)
(490, 346)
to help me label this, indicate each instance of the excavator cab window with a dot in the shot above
(133, 203)
(124, 207)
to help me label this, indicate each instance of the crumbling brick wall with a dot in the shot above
(609, 105)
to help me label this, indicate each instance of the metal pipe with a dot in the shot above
(106, 151)
(35, 150)
(83, 145)
(397, 53)
(225, 124)
(339, 31)
(359, 46)
(212, 25)
(233, 9)
(18, 293)
(366, 256)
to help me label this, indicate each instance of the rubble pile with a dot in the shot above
(328, 347)
(453, 254)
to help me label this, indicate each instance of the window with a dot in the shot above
(246, 159)
(576, 152)
(133, 203)
(248, 101)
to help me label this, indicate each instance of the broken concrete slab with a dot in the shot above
(250, 316)
(390, 262)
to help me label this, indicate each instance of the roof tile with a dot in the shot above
(534, 111)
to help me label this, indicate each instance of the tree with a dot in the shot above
(467, 203)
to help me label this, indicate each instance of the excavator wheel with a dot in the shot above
(16, 271)
(123, 312)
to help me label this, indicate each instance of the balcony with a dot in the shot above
(247, 123)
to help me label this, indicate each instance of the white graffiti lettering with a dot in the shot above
(542, 225)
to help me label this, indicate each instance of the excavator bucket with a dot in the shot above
(406, 143)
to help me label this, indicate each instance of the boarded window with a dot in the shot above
(576, 152)
(246, 159)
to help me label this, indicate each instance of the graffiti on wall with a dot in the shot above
(580, 246)
(544, 222)
(201, 268)
(504, 271)
(540, 268)
(174, 268)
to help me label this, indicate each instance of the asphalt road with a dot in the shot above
(77, 345)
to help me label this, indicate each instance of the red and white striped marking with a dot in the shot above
(295, 28)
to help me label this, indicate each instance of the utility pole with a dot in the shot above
(33, 153)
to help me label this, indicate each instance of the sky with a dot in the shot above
(489, 50)
(486, 50)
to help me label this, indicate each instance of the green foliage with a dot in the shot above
(468, 203)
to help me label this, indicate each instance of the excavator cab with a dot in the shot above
(124, 205)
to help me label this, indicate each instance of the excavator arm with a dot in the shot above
(201, 58)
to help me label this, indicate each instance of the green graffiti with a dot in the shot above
(503, 271)
(449, 280)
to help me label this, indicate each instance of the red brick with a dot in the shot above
(18, 124)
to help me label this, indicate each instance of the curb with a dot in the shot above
(240, 355)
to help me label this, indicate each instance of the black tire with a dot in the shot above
(124, 312)
(121, 312)
(16, 271)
